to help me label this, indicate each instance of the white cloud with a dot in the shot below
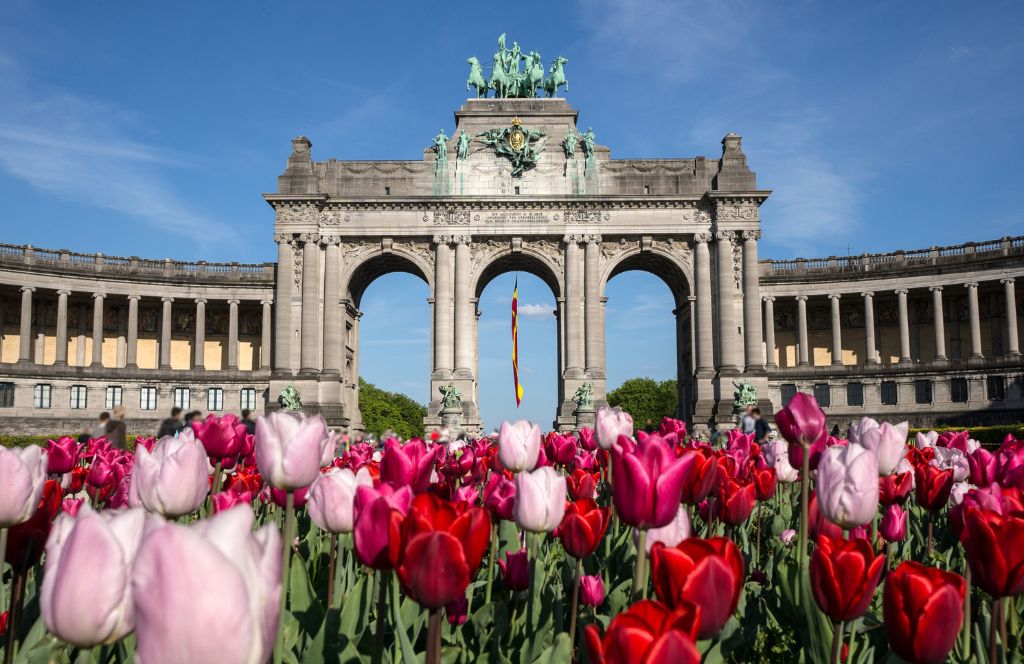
(542, 311)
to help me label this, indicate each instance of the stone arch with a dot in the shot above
(370, 266)
(525, 260)
(675, 271)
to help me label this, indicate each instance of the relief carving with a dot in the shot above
(298, 213)
(550, 250)
(736, 212)
(450, 216)
(582, 215)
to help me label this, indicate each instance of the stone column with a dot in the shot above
(1012, 340)
(265, 333)
(283, 297)
(132, 350)
(870, 349)
(692, 299)
(97, 329)
(592, 305)
(769, 331)
(40, 339)
(972, 307)
(938, 323)
(165, 333)
(901, 295)
(801, 321)
(728, 341)
(443, 314)
(62, 327)
(837, 332)
(463, 309)
(702, 267)
(310, 335)
(25, 329)
(333, 343)
(80, 354)
(199, 343)
(752, 301)
(574, 325)
(233, 334)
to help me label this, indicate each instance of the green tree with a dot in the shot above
(384, 410)
(646, 400)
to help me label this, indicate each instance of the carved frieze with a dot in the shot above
(735, 211)
(420, 249)
(583, 215)
(451, 216)
(298, 212)
(549, 249)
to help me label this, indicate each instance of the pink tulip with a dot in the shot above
(467, 495)
(378, 517)
(208, 592)
(802, 423)
(222, 437)
(22, 475)
(225, 500)
(612, 423)
(776, 455)
(280, 496)
(173, 479)
(950, 458)
(648, 481)
(540, 500)
(332, 497)
(289, 448)
(926, 439)
(788, 537)
(408, 465)
(588, 439)
(500, 496)
(982, 466)
(847, 485)
(61, 455)
(86, 596)
(71, 506)
(888, 442)
(675, 532)
(894, 524)
(519, 445)
(592, 590)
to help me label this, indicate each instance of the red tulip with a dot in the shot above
(78, 475)
(923, 608)
(995, 550)
(648, 481)
(408, 465)
(844, 576)
(705, 572)
(26, 540)
(647, 633)
(582, 484)
(735, 501)
(895, 488)
(560, 449)
(434, 571)
(500, 496)
(703, 476)
(765, 482)
(470, 526)
(515, 570)
(933, 486)
(377, 536)
(583, 527)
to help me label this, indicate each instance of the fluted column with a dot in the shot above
(283, 299)
(165, 333)
(904, 320)
(265, 333)
(574, 325)
(837, 333)
(80, 344)
(592, 305)
(801, 321)
(702, 268)
(938, 323)
(1010, 295)
(62, 327)
(972, 307)
(97, 329)
(310, 335)
(443, 314)
(728, 341)
(769, 331)
(233, 334)
(870, 347)
(333, 344)
(199, 343)
(463, 308)
(25, 328)
(755, 357)
(131, 356)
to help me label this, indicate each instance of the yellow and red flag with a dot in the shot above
(515, 342)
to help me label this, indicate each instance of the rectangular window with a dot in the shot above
(113, 397)
(42, 396)
(996, 388)
(147, 398)
(822, 394)
(248, 398)
(923, 391)
(6, 395)
(855, 394)
(215, 398)
(79, 397)
(788, 392)
(182, 398)
(890, 394)
(958, 390)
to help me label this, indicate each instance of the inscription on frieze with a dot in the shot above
(515, 217)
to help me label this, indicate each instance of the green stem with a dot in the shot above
(757, 526)
(849, 640)
(382, 606)
(217, 476)
(14, 615)
(993, 631)
(805, 482)
(286, 557)
(84, 656)
(490, 564)
(3, 558)
(575, 602)
(434, 637)
(640, 578)
(331, 569)
(837, 641)
(965, 634)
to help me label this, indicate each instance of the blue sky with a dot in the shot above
(151, 129)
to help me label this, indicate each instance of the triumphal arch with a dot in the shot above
(518, 185)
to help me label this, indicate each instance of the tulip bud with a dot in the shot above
(61, 455)
(894, 524)
(515, 570)
(289, 448)
(847, 485)
(519, 445)
(540, 499)
(173, 479)
(592, 590)
(788, 537)
(610, 424)
(331, 499)
(22, 475)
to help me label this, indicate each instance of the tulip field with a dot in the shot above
(605, 545)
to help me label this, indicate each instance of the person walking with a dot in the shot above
(117, 431)
(761, 426)
(171, 425)
(250, 426)
(100, 429)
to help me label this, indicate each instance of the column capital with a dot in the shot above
(693, 298)
(462, 239)
(447, 240)
(573, 238)
(867, 294)
(284, 238)
(330, 240)
(29, 289)
(725, 236)
(267, 303)
(308, 238)
(592, 239)
(768, 298)
(751, 236)
(935, 289)
(136, 298)
(167, 298)
(801, 298)
(971, 284)
(834, 296)
(234, 301)
(99, 296)
(900, 291)
(63, 291)
(1007, 280)
(201, 300)
(702, 238)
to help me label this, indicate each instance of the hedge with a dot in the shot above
(990, 436)
(22, 441)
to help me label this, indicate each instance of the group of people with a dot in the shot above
(111, 425)
(753, 422)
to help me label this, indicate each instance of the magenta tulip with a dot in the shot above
(289, 448)
(332, 497)
(802, 422)
(612, 423)
(592, 590)
(648, 481)
(208, 592)
(500, 496)
(540, 499)
(408, 465)
(894, 524)
(86, 597)
(222, 437)
(22, 475)
(173, 479)
(515, 570)
(519, 445)
(61, 455)
(847, 485)
(982, 466)
(225, 500)
(377, 528)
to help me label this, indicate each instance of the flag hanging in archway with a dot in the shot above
(515, 342)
